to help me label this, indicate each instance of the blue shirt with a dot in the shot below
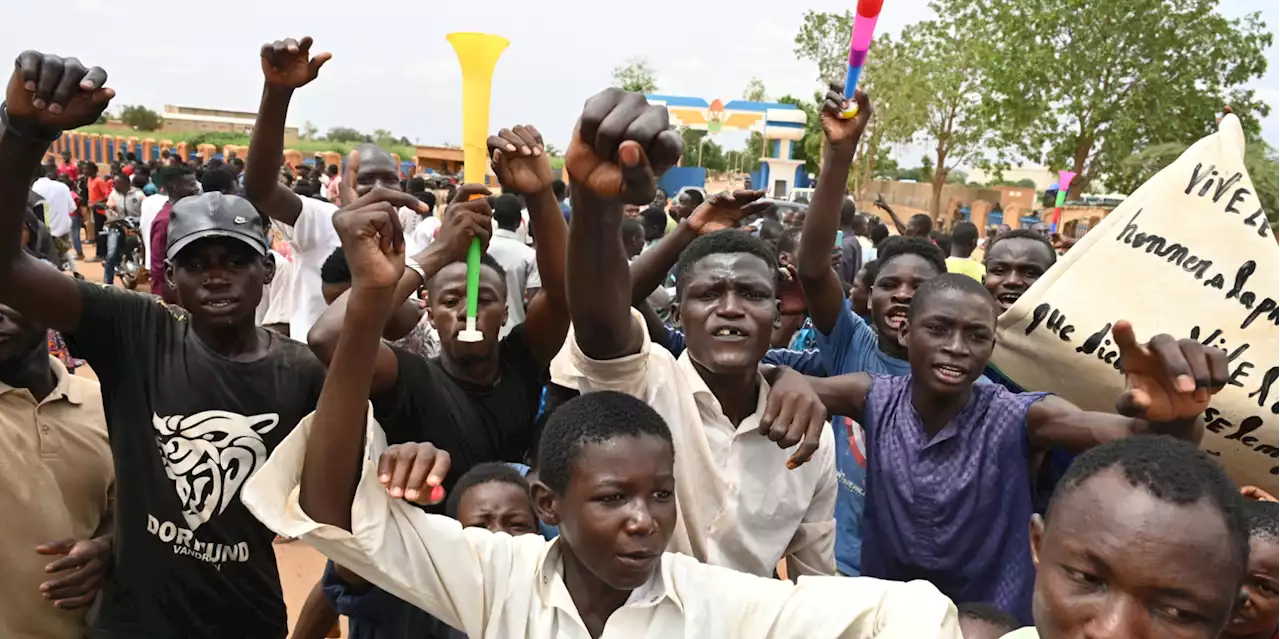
(1055, 462)
(853, 347)
(952, 509)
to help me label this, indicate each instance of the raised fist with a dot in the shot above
(468, 215)
(844, 132)
(288, 64)
(54, 93)
(372, 238)
(620, 145)
(520, 160)
(724, 210)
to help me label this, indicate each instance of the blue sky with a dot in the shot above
(392, 68)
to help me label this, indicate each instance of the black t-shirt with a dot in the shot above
(475, 424)
(187, 428)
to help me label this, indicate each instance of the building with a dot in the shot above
(195, 119)
(1042, 176)
(439, 159)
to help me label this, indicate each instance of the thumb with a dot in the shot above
(637, 176)
(1133, 403)
(318, 62)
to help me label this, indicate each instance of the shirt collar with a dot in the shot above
(552, 590)
(705, 398)
(511, 235)
(62, 389)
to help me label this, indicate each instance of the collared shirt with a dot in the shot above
(56, 482)
(495, 585)
(521, 265)
(151, 206)
(128, 204)
(739, 505)
(966, 266)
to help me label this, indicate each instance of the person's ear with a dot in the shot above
(168, 277)
(268, 269)
(1037, 538)
(903, 331)
(545, 505)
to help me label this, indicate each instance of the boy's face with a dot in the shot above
(447, 307)
(950, 339)
(728, 304)
(893, 290)
(499, 506)
(1013, 265)
(860, 295)
(1255, 615)
(219, 280)
(1117, 562)
(619, 508)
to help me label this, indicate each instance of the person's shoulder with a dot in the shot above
(315, 207)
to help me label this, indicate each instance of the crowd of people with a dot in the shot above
(699, 418)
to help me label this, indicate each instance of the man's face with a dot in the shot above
(1255, 615)
(19, 337)
(121, 184)
(1042, 229)
(498, 506)
(1114, 561)
(893, 290)
(685, 205)
(1013, 265)
(619, 508)
(377, 169)
(950, 341)
(182, 186)
(860, 296)
(219, 279)
(727, 306)
(448, 310)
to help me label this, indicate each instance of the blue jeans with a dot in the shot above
(113, 256)
(77, 225)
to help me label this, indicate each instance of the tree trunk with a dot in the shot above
(939, 180)
(1083, 145)
(871, 152)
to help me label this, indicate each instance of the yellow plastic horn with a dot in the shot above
(478, 54)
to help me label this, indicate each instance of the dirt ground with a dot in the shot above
(300, 566)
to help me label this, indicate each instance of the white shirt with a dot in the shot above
(150, 209)
(276, 306)
(495, 585)
(424, 233)
(739, 505)
(521, 264)
(522, 233)
(59, 205)
(313, 239)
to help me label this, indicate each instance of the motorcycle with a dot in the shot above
(130, 247)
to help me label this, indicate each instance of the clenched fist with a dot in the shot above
(620, 146)
(53, 93)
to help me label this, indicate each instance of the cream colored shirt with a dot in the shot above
(739, 506)
(494, 585)
(56, 482)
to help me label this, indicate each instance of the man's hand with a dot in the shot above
(55, 93)
(724, 210)
(74, 578)
(520, 160)
(843, 133)
(620, 145)
(791, 299)
(414, 472)
(880, 201)
(372, 238)
(287, 64)
(1169, 380)
(793, 414)
(464, 219)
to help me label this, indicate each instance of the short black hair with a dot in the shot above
(950, 282)
(632, 229)
(416, 185)
(1172, 471)
(592, 418)
(485, 473)
(485, 260)
(879, 233)
(428, 198)
(335, 269)
(238, 163)
(332, 169)
(920, 219)
(1261, 519)
(789, 241)
(558, 189)
(999, 620)
(506, 211)
(770, 229)
(655, 220)
(723, 241)
(926, 250)
(1025, 234)
(942, 241)
(172, 175)
(872, 269)
(221, 179)
(694, 195)
(848, 211)
(964, 234)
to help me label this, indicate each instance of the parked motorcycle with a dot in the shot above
(130, 243)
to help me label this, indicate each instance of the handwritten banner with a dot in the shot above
(1191, 254)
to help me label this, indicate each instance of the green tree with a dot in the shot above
(345, 134)
(141, 118)
(1085, 85)
(896, 101)
(308, 131)
(636, 74)
(824, 39)
(755, 91)
(808, 148)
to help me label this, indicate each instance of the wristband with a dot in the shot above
(28, 133)
(413, 265)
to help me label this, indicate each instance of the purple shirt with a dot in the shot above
(953, 510)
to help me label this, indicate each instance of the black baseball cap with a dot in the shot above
(214, 215)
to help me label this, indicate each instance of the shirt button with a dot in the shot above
(45, 429)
